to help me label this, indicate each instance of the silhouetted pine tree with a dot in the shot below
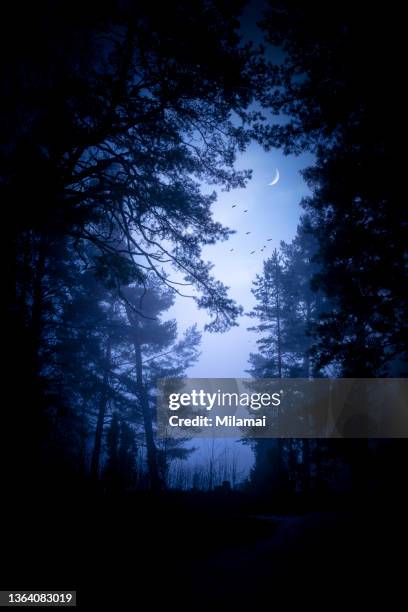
(123, 113)
(327, 86)
(287, 309)
(155, 351)
(120, 471)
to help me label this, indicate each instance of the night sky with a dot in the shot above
(273, 212)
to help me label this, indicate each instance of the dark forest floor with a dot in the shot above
(189, 550)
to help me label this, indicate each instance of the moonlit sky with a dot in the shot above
(273, 212)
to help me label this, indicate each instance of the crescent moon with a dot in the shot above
(275, 178)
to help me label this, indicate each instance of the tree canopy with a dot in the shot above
(334, 87)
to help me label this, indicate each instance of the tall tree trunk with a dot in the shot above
(24, 277)
(278, 319)
(155, 480)
(37, 305)
(306, 464)
(103, 403)
(318, 459)
(83, 440)
(307, 363)
(280, 443)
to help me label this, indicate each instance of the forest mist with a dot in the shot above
(120, 123)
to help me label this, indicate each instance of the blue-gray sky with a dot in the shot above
(273, 212)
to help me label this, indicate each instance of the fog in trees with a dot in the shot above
(124, 125)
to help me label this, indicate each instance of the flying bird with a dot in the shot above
(252, 252)
(269, 239)
(231, 250)
(246, 210)
(275, 178)
(247, 233)
(234, 205)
